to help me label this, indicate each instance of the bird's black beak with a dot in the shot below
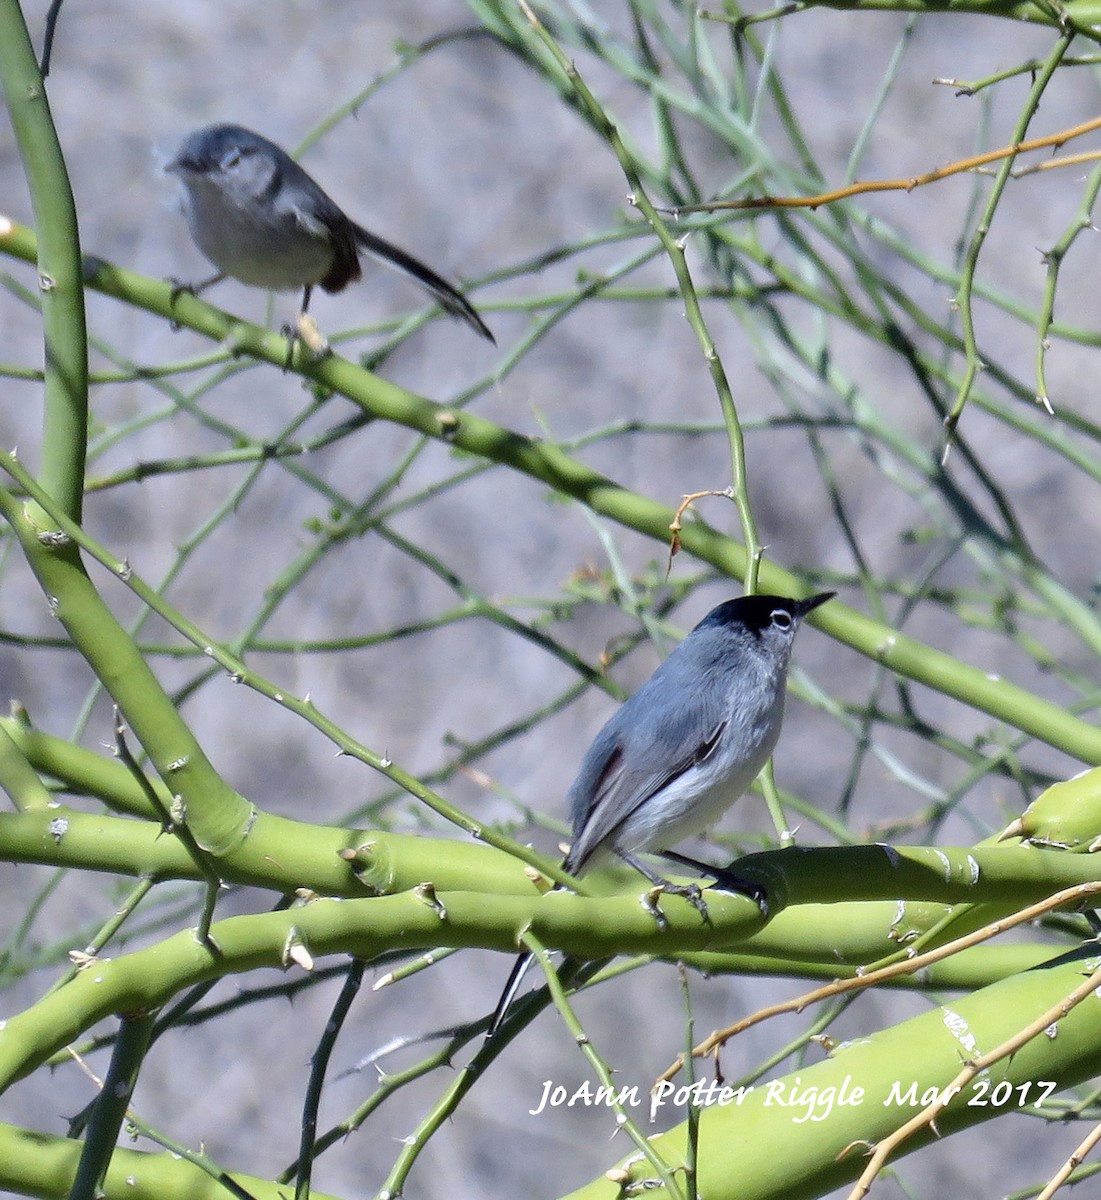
(805, 606)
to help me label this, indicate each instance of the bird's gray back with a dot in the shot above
(658, 732)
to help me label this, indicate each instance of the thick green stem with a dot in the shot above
(109, 1110)
(65, 348)
(428, 917)
(827, 1115)
(33, 1163)
(216, 814)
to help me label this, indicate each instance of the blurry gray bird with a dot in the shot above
(260, 218)
(684, 747)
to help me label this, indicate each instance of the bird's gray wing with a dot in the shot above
(342, 237)
(299, 197)
(614, 782)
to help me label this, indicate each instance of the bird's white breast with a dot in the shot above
(269, 251)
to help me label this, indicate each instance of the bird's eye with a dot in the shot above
(781, 618)
(230, 159)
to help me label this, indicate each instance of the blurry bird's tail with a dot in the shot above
(450, 298)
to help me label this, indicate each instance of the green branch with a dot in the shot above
(1084, 16)
(33, 1163)
(550, 465)
(217, 815)
(428, 916)
(57, 257)
(827, 1114)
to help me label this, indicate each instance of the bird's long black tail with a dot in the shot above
(512, 986)
(450, 299)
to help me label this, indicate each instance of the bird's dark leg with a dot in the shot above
(725, 880)
(193, 289)
(690, 891)
(305, 330)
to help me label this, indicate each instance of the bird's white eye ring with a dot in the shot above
(230, 160)
(781, 618)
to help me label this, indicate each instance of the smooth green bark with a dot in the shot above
(57, 256)
(37, 1164)
(427, 917)
(216, 814)
(823, 1138)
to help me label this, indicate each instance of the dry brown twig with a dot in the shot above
(676, 525)
(719, 1038)
(971, 163)
(1076, 1158)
